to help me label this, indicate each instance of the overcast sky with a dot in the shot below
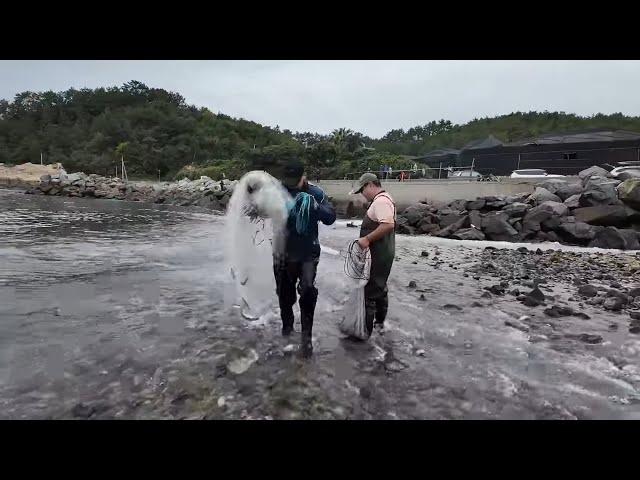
(371, 97)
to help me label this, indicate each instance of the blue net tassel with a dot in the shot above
(300, 208)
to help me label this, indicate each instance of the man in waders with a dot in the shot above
(377, 233)
(298, 263)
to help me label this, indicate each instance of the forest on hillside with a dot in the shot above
(159, 134)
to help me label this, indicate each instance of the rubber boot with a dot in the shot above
(370, 312)
(286, 314)
(382, 306)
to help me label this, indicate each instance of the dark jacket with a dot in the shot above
(307, 247)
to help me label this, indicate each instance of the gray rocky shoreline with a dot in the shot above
(594, 211)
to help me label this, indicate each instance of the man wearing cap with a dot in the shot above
(377, 233)
(299, 261)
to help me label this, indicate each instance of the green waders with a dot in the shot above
(383, 252)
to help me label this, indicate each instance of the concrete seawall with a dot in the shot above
(433, 191)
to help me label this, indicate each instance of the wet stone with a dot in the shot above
(365, 392)
(517, 325)
(450, 306)
(559, 311)
(587, 291)
(81, 410)
(613, 303)
(496, 289)
(590, 338)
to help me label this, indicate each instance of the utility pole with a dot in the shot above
(125, 177)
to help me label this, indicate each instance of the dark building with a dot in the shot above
(564, 153)
(489, 142)
(445, 156)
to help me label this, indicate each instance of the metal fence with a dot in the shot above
(568, 161)
(429, 173)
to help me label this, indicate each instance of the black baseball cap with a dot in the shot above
(293, 172)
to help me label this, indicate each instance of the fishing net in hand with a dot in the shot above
(254, 227)
(357, 266)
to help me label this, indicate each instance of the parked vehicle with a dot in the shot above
(466, 174)
(533, 173)
(615, 173)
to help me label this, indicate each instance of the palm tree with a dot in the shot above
(340, 137)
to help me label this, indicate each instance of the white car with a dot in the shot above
(618, 170)
(533, 173)
(466, 173)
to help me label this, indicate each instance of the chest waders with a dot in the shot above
(383, 252)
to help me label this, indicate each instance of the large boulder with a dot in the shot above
(557, 209)
(552, 237)
(543, 213)
(463, 222)
(495, 203)
(427, 226)
(516, 209)
(224, 200)
(496, 226)
(413, 213)
(458, 205)
(476, 219)
(629, 192)
(541, 237)
(430, 218)
(568, 190)
(577, 232)
(591, 171)
(541, 195)
(573, 201)
(599, 191)
(447, 211)
(447, 220)
(518, 197)
(631, 237)
(405, 229)
(553, 184)
(611, 237)
(476, 204)
(401, 221)
(75, 177)
(551, 223)
(468, 234)
(606, 215)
